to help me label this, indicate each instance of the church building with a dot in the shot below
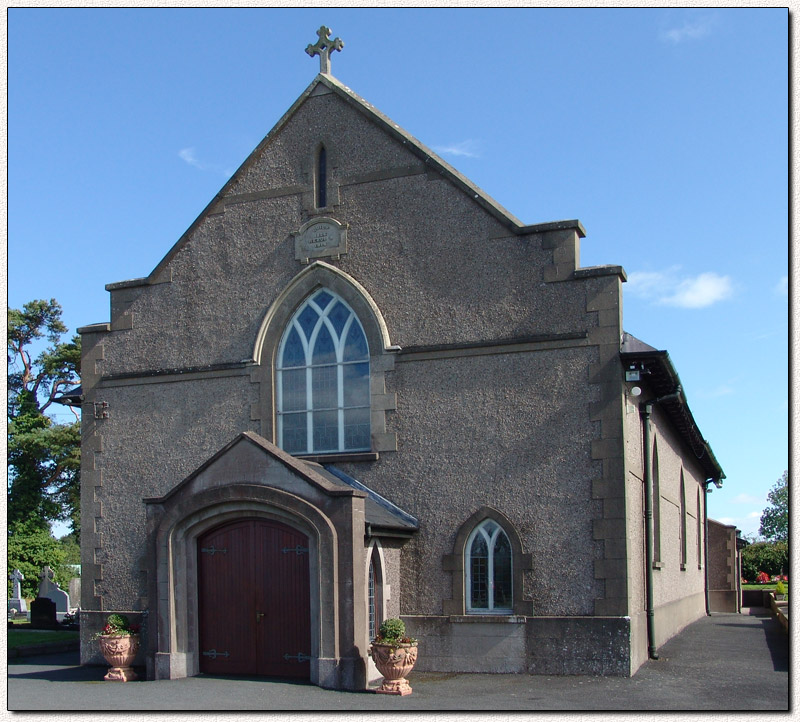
(358, 388)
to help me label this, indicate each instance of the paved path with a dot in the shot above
(722, 662)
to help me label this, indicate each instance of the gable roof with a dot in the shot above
(424, 153)
(301, 468)
(664, 380)
(380, 515)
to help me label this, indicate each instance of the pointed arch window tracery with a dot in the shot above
(488, 570)
(323, 379)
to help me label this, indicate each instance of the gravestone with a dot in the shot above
(43, 613)
(74, 592)
(48, 589)
(17, 602)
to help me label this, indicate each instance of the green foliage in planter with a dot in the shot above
(780, 588)
(393, 632)
(118, 621)
(392, 629)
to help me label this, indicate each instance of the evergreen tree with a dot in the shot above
(775, 519)
(43, 456)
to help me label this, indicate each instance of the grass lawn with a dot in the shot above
(21, 637)
(768, 587)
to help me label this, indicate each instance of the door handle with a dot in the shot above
(258, 616)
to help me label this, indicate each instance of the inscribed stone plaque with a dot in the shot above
(320, 238)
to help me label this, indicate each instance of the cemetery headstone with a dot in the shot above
(17, 602)
(48, 589)
(43, 613)
(75, 592)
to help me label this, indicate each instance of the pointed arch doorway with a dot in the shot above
(254, 608)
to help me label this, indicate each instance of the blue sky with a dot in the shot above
(665, 131)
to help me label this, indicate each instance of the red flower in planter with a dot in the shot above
(763, 578)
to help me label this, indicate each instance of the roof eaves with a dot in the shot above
(665, 380)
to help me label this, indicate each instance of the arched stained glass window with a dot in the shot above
(323, 379)
(488, 570)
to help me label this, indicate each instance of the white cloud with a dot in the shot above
(701, 291)
(464, 149)
(746, 499)
(721, 390)
(755, 515)
(726, 520)
(782, 287)
(691, 29)
(669, 288)
(189, 155)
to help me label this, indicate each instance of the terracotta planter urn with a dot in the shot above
(394, 662)
(120, 651)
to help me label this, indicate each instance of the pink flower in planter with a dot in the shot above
(763, 578)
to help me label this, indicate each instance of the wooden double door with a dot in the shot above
(254, 600)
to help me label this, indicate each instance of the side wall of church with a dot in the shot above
(678, 585)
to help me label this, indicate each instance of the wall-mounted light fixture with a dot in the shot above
(635, 371)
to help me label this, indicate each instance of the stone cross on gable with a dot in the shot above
(323, 47)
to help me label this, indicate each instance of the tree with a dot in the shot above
(769, 557)
(29, 549)
(775, 519)
(43, 456)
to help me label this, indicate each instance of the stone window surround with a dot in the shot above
(310, 173)
(656, 481)
(374, 554)
(683, 530)
(382, 354)
(455, 563)
(490, 547)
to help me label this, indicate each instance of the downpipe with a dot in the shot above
(645, 411)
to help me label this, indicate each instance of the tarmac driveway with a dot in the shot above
(721, 662)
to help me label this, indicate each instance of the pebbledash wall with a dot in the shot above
(678, 581)
(497, 391)
(725, 567)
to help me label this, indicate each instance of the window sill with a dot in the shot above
(340, 458)
(487, 619)
(658, 565)
(683, 567)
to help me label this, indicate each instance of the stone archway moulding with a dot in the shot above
(316, 275)
(173, 633)
(521, 562)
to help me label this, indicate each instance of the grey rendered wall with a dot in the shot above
(679, 593)
(511, 444)
(534, 430)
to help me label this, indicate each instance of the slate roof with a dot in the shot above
(381, 514)
(663, 379)
(382, 517)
